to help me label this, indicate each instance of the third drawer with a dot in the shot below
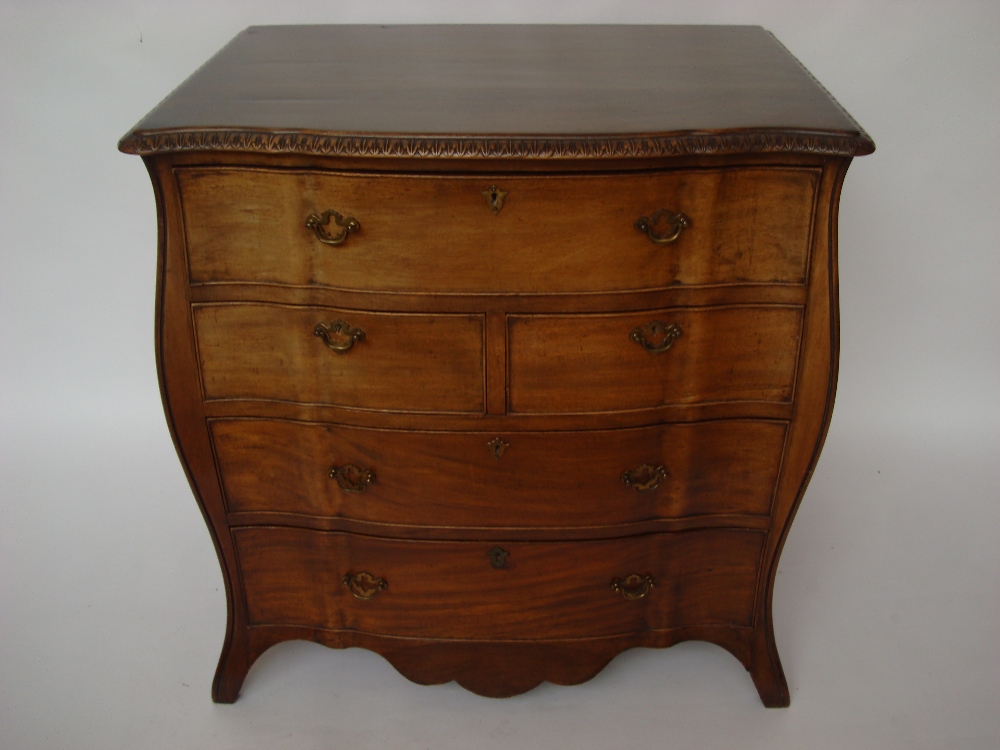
(486, 479)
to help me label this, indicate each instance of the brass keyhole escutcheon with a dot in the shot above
(494, 198)
(498, 557)
(497, 447)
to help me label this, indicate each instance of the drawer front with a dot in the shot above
(553, 234)
(398, 362)
(618, 362)
(544, 590)
(541, 479)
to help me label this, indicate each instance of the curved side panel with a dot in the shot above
(177, 369)
(815, 389)
(496, 668)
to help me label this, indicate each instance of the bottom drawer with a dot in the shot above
(542, 590)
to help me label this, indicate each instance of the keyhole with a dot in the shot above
(494, 197)
(498, 557)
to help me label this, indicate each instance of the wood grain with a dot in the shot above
(499, 669)
(503, 92)
(583, 363)
(553, 234)
(513, 326)
(420, 363)
(450, 590)
(553, 480)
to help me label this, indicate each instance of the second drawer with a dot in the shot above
(355, 359)
(550, 479)
(586, 363)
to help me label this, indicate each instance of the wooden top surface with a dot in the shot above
(501, 91)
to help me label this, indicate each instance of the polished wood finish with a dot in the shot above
(498, 396)
(544, 591)
(405, 363)
(501, 92)
(249, 225)
(574, 363)
(543, 479)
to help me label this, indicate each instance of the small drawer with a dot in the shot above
(493, 591)
(362, 360)
(642, 360)
(480, 479)
(438, 233)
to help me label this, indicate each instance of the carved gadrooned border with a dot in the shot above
(480, 147)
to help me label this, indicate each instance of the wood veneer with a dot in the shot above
(499, 569)
(543, 479)
(574, 363)
(544, 591)
(567, 230)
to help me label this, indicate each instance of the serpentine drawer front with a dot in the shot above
(528, 368)
(427, 233)
(478, 479)
(574, 363)
(399, 362)
(522, 591)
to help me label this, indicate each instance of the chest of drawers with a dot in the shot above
(498, 350)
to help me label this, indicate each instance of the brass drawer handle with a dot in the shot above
(339, 335)
(316, 223)
(656, 336)
(352, 478)
(634, 586)
(645, 478)
(364, 585)
(678, 222)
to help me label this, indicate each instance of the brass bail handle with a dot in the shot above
(645, 478)
(339, 335)
(633, 587)
(656, 336)
(676, 223)
(364, 585)
(352, 478)
(318, 224)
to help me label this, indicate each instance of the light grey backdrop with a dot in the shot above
(887, 601)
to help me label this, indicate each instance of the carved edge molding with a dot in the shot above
(496, 147)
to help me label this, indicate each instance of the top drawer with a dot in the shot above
(427, 233)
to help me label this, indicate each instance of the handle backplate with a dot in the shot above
(633, 587)
(352, 478)
(339, 335)
(676, 223)
(645, 478)
(318, 224)
(656, 336)
(364, 585)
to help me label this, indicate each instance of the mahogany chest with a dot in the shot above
(498, 350)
